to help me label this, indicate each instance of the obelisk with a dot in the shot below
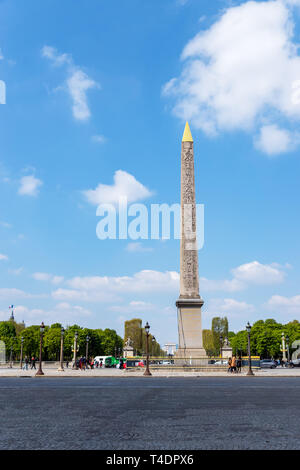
(189, 303)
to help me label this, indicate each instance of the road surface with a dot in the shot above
(150, 413)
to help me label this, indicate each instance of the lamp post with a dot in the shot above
(287, 339)
(147, 371)
(283, 350)
(153, 341)
(10, 356)
(21, 354)
(87, 347)
(248, 328)
(75, 351)
(221, 346)
(61, 366)
(42, 329)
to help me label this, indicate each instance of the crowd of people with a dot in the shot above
(235, 364)
(29, 362)
(82, 363)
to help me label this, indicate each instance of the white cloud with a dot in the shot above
(137, 247)
(284, 305)
(257, 273)
(84, 295)
(272, 140)
(106, 288)
(56, 58)
(77, 83)
(97, 288)
(245, 275)
(16, 271)
(61, 313)
(240, 72)
(29, 186)
(3, 257)
(5, 224)
(125, 185)
(228, 307)
(133, 307)
(226, 285)
(13, 293)
(100, 139)
(47, 277)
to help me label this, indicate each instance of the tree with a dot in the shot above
(52, 342)
(208, 342)
(134, 331)
(219, 327)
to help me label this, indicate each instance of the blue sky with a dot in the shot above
(94, 89)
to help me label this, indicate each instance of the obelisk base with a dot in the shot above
(190, 331)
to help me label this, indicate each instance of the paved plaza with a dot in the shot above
(161, 372)
(172, 413)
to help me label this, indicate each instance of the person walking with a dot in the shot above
(33, 362)
(229, 365)
(25, 367)
(233, 364)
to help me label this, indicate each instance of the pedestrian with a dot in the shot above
(229, 365)
(67, 364)
(25, 367)
(33, 362)
(233, 364)
(101, 364)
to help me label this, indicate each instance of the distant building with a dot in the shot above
(170, 348)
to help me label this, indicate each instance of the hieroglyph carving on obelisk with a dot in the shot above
(189, 303)
(189, 281)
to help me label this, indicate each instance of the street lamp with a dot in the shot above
(75, 351)
(10, 356)
(248, 328)
(61, 367)
(42, 329)
(21, 355)
(147, 371)
(153, 342)
(221, 345)
(87, 347)
(287, 339)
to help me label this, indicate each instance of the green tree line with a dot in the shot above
(265, 337)
(106, 342)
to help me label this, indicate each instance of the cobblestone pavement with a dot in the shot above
(150, 413)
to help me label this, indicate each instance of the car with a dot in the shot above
(221, 362)
(267, 364)
(294, 363)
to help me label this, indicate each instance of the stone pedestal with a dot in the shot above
(190, 328)
(226, 352)
(128, 351)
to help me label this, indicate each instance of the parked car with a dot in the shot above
(268, 364)
(221, 362)
(295, 363)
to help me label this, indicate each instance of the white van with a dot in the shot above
(100, 359)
